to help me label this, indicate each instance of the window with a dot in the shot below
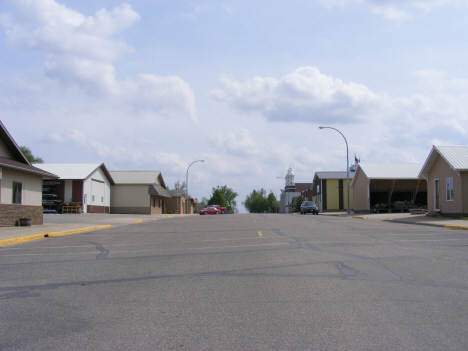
(17, 188)
(92, 198)
(102, 198)
(449, 187)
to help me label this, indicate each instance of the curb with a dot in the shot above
(360, 217)
(456, 227)
(22, 239)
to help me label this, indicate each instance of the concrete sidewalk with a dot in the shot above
(64, 224)
(408, 218)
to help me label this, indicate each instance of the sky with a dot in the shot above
(242, 85)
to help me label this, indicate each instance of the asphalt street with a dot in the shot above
(238, 282)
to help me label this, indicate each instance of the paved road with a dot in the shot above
(238, 282)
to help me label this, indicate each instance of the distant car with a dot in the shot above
(309, 207)
(208, 210)
(220, 209)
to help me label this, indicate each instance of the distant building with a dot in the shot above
(292, 191)
(141, 192)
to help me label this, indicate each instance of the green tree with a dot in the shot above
(257, 201)
(260, 204)
(229, 197)
(217, 198)
(298, 204)
(272, 201)
(29, 156)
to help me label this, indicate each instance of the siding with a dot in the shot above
(31, 187)
(360, 192)
(98, 185)
(5, 152)
(441, 170)
(130, 196)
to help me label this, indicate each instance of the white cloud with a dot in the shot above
(81, 51)
(395, 10)
(304, 95)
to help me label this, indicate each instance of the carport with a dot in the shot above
(388, 188)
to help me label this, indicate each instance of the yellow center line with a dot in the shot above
(260, 233)
(254, 220)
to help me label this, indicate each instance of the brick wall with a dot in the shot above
(10, 214)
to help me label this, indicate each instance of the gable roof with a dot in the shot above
(75, 171)
(135, 177)
(11, 145)
(300, 187)
(389, 170)
(19, 162)
(455, 156)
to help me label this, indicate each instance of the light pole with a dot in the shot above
(347, 159)
(276, 205)
(287, 195)
(186, 185)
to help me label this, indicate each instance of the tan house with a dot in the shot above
(20, 185)
(141, 192)
(176, 203)
(446, 172)
(388, 187)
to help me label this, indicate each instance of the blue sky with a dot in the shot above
(155, 85)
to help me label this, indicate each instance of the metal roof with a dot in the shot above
(77, 171)
(334, 175)
(136, 177)
(19, 166)
(390, 170)
(158, 190)
(455, 156)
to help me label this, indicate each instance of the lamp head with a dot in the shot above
(321, 127)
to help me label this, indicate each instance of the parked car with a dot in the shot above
(220, 209)
(309, 207)
(208, 210)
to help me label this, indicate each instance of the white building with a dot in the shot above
(88, 184)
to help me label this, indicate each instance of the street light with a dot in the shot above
(347, 159)
(276, 205)
(186, 185)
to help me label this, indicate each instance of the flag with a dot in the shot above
(356, 161)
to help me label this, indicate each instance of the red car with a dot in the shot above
(208, 210)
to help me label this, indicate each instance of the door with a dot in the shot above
(84, 203)
(436, 195)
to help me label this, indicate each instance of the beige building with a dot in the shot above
(141, 192)
(20, 185)
(446, 172)
(388, 187)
